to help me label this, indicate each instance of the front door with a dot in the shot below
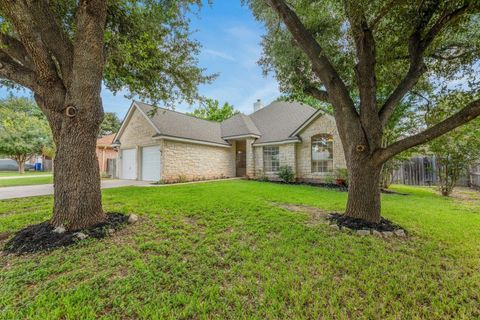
(241, 158)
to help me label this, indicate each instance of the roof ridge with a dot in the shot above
(175, 111)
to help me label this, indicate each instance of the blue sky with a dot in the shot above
(230, 37)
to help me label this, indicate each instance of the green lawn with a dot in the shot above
(16, 174)
(223, 250)
(16, 181)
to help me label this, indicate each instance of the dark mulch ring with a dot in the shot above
(383, 228)
(41, 237)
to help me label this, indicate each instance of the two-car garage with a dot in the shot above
(140, 163)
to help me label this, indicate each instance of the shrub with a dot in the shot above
(286, 174)
(342, 174)
(182, 178)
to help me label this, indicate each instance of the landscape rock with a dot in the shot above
(377, 233)
(132, 218)
(80, 235)
(59, 230)
(334, 226)
(387, 234)
(110, 231)
(400, 233)
(363, 232)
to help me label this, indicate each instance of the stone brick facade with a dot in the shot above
(287, 157)
(298, 155)
(323, 124)
(139, 132)
(195, 161)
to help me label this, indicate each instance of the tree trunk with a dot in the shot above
(364, 191)
(78, 202)
(21, 166)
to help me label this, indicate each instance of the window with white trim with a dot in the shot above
(271, 159)
(322, 153)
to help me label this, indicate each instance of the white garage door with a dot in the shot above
(151, 163)
(129, 164)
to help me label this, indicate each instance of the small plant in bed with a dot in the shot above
(44, 237)
(286, 174)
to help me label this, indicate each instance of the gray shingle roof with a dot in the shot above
(239, 125)
(280, 119)
(273, 123)
(175, 124)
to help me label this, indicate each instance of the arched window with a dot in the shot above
(322, 153)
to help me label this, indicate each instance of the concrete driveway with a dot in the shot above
(46, 189)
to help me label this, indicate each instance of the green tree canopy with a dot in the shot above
(110, 124)
(21, 134)
(150, 53)
(457, 150)
(212, 111)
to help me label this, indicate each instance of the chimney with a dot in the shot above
(257, 105)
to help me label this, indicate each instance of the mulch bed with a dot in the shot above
(41, 237)
(332, 186)
(358, 224)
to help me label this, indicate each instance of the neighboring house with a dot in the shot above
(105, 151)
(170, 145)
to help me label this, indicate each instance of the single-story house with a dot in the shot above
(105, 150)
(167, 145)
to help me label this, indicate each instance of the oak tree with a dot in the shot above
(65, 50)
(364, 57)
(211, 110)
(24, 131)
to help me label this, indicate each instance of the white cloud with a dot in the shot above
(218, 54)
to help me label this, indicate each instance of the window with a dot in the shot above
(322, 153)
(271, 159)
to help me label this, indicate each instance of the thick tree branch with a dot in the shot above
(470, 112)
(443, 22)
(88, 53)
(15, 49)
(19, 14)
(54, 37)
(365, 73)
(321, 65)
(11, 70)
(417, 47)
(318, 94)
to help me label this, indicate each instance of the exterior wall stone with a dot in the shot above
(287, 158)
(250, 158)
(195, 162)
(324, 124)
(138, 132)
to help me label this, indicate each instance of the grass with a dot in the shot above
(224, 250)
(15, 181)
(16, 174)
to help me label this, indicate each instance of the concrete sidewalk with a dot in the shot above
(47, 189)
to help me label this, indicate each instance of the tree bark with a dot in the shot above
(78, 202)
(364, 191)
(21, 166)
